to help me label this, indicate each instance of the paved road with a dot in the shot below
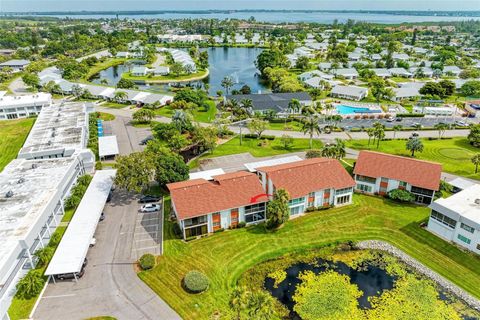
(18, 87)
(110, 285)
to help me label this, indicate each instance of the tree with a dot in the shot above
(134, 171)
(143, 115)
(120, 96)
(30, 285)
(379, 89)
(302, 63)
(313, 153)
(378, 132)
(278, 210)
(238, 300)
(441, 127)
(471, 88)
(474, 135)
(432, 89)
(370, 133)
(476, 161)
(227, 83)
(169, 166)
(448, 87)
(287, 141)
(31, 80)
(401, 195)
(257, 126)
(245, 89)
(181, 121)
(177, 69)
(261, 306)
(396, 128)
(126, 84)
(328, 295)
(270, 58)
(310, 126)
(414, 145)
(44, 255)
(340, 151)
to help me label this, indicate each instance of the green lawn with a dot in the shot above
(114, 105)
(169, 78)
(224, 256)
(103, 65)
(273, 147)
(199, 114)
(106, 116)
(12, 136)
(290, 126)
(454, 154)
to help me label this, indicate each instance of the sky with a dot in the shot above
(104, 5)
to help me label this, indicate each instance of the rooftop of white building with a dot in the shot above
(59, 126)
(38, 99)
(465, 203)
(26, 188)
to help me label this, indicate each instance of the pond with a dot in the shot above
(237, 63)
(372, 281)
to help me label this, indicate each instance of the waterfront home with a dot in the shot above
(311, 183)
(349, 92)
(379, 173)
(457, 218)
(139, 71)
(278, 102)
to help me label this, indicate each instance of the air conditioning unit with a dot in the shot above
(477, 201)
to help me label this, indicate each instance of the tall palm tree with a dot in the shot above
(246, 104)
(310, 126)
(476, 161)
(227, 83)
(396, 128)
(413, 145)
(441, 127)
(120, 96)
(340, 151)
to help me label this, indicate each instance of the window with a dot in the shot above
(296, 210)
(467, 227)
(296, 201)
(195, 221)
(422, 191)
(464, 239)
(255, 212)
(343, 191)
(311, 194)
(343, 199)
(364, 188)
(403, 184)
(449, 222)
(478, 246)
(366, 179)
(196, 231)
(216, 224)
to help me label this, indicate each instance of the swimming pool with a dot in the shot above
(343, 109)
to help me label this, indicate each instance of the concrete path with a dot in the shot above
(17, 87)
(110, 285)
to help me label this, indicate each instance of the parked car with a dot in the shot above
(460, 123)
(416, 125)
(398, 119)
(93, 242)
(145, 141)
(102, 216)
(391, 119)
(415, 134)
(71, 275)
(109, 198)
(148, 199)
(150, 208)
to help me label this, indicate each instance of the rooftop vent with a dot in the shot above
(34, 166)
(53, 134)
(477, 201)
(21, 180)
(9, 194)
(49, 142)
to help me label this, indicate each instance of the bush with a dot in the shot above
(401, 195)
(410, 115)
(242, 224)
(254, 136)
(98, 165)
(177, 230)
(195, 281)
(30, 285)
(147, 261)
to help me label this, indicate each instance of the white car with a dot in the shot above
(151, 207)
(93, 242)
(391, 119)
(461, 123)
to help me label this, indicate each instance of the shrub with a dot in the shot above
(147, 261)
(30, 285)
(401, 195)
(195, 281)
(98, 165)
(242, 224)
(177, 230)
(410, 115)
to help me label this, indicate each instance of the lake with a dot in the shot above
(237, 63)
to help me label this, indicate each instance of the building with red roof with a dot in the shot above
(379, 173)
(203, 206)
(314, 182)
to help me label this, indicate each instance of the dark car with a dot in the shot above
(102, 216)
(148, 199)
(398, 119)
(71, 275)
(145, 141)
(109, 198)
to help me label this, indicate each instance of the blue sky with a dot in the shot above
(77, 5)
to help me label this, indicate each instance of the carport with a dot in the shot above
(73, 248)
(107, 147)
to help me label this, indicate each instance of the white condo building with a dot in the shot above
(14, 107)
(457, 218)
(32, 194)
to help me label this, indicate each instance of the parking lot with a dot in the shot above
(110, 285)
(405, 122)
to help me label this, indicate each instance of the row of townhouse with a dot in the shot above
(202, 206)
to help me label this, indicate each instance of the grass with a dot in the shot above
(291, 126)
(225, 256)
(103, 65)
(272, 147)
(454, 154)
(114, 105)
(106, 116)
(172, 78)
(199, 114)
(13, 134)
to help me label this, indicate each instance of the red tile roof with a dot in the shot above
(302, 177)
(198, 197)
(423, 174)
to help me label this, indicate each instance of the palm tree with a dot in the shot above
(31, 284)
(261, 305)
(227, 83)
(340, 151)
(396, 128)
(310, 126)
(379, 132)
(414, 144)
(247, 104)
(476, 161)
(441, 127)
(370, 132)
(120, 96)
(329, 150)
(44, 255)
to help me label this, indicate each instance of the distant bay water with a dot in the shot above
(278, 16)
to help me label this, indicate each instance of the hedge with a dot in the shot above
(254, 136)
(411, 115)
(195, 281)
